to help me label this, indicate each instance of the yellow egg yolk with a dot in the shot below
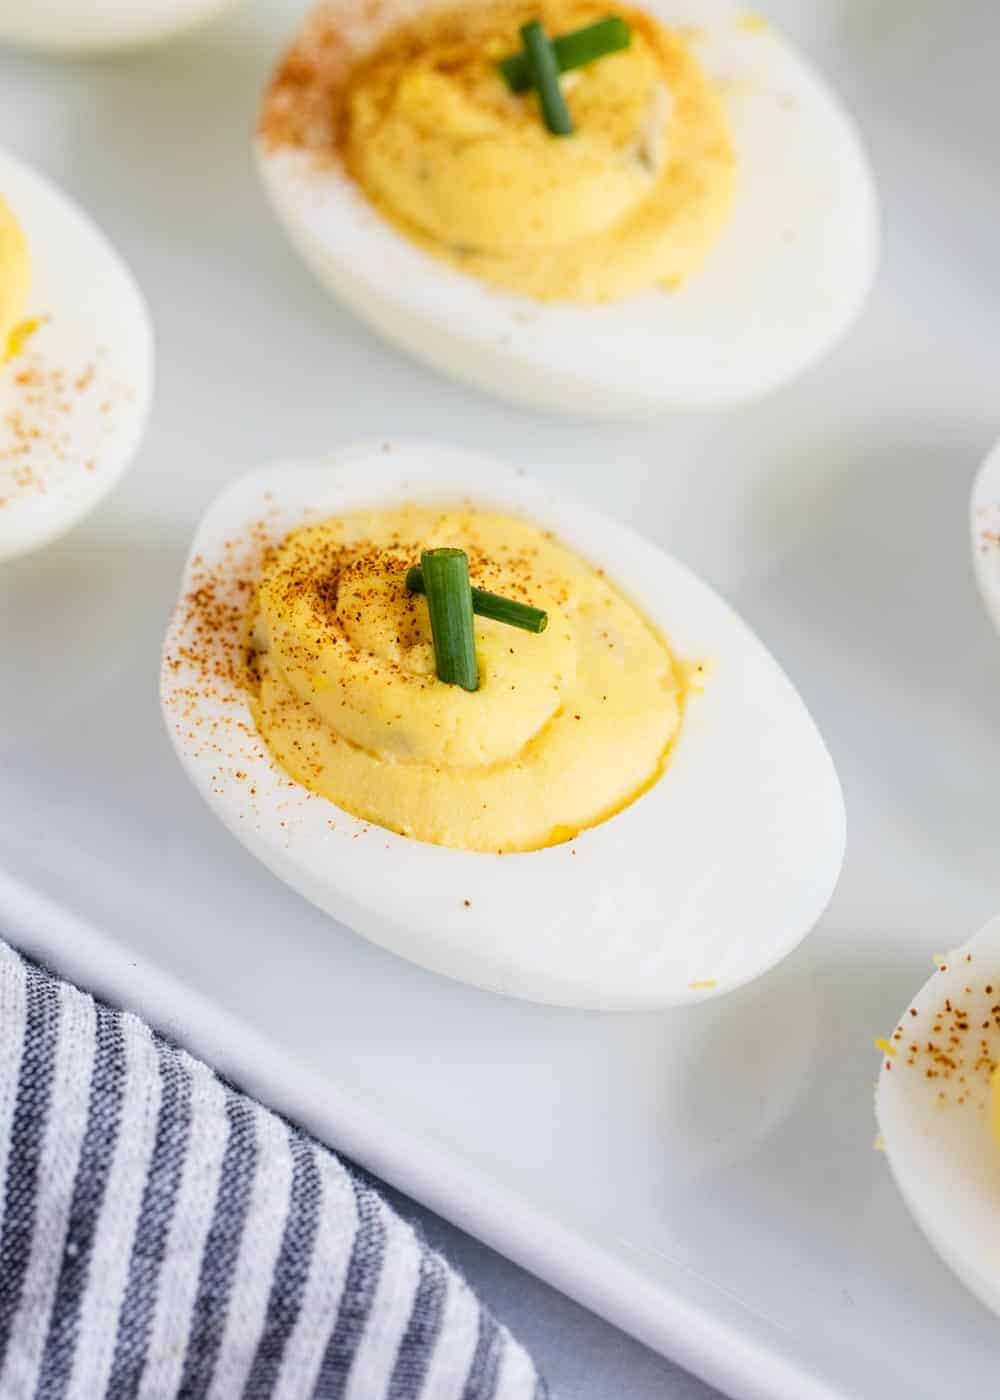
(15, 279)
(633, 200)
(567, 727)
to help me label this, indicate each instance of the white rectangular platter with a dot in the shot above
(705, 1179)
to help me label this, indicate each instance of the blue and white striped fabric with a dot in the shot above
(162, 1235)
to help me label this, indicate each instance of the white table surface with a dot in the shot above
(879, 445)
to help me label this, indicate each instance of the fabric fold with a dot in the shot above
(163, 1237)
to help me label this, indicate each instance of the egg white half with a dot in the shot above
(707, 880)
(74, 401)
(75, 26)
(985, 525)
(787, 277)
(933, 1111)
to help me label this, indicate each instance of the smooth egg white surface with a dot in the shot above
(74, 401)
(933, 1107)
(78, 26)
(985, 525)
(787, 277)
(706, 881)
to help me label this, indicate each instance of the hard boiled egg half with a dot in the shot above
(740, 167)
(76, 362)
(938, 1106)
(703, 882)
(985, 525)
(76, 26)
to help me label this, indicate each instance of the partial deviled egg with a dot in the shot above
(633, 809)
(74, 26)
(76, 362)
(985, 525)
(706, 231)
(938, 1107)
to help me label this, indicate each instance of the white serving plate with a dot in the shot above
(704, 1178)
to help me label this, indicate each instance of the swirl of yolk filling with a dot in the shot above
(15, 279)
(567, 726)
(633, 200)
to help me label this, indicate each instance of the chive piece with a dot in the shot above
(449, 602)
(572, 50)
(484, 604)
(545, 78)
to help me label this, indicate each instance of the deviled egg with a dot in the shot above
(616, 800)
(985, 525)
(691, 225)
(75, 26)
(76, 362)
(938, 1107)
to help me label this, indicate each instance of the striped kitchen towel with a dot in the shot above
(162, 1235)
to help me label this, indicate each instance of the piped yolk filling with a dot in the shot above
(633, 199)
(15, 281)
(567, 727)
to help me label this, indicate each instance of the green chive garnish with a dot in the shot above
(492, 605)
(572, 50)
(449, 602)
(545, 78)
